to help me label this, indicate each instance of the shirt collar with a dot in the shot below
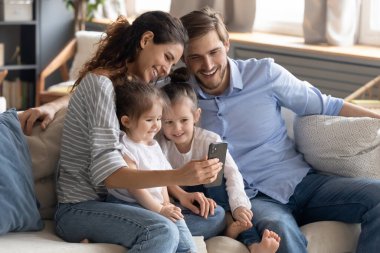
(236, 81)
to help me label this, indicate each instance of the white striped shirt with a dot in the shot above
(90, 148)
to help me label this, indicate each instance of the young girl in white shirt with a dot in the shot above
(181, 141)
(139, 110)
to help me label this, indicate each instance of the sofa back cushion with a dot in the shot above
(87, 44)
(338, 145)
(18, 204)
(44, 146)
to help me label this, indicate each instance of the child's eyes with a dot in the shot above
(167, 122)
(184, 120)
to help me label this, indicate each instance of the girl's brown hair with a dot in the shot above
(133, 97)
(179, 88)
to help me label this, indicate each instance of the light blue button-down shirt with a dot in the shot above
(247, 116)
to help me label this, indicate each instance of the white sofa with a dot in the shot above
(323, 237)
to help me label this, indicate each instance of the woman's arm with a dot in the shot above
(193, 173)
(45, 113)
(144, 198)
(352, 110)
(165, 195)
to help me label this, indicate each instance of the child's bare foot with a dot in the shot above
(235, 228)
(85, 241)
(270, 242)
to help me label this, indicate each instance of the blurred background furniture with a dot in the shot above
(69, 61)
(3, 102)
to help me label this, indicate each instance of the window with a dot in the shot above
(279, 16)
(370, 23)
(137, 7)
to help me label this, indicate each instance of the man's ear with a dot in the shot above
(125, 121)
(197, 115)
(146, 38)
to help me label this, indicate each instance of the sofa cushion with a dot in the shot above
(322, 236)
(87, 44)
(46, 241)
(338, 145)
(18, 204)
(44, 146)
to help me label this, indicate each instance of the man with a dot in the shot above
(241, 101)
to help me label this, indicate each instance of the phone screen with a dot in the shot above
(217, 150)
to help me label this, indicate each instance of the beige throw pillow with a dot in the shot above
(44, 147)
(339, 145)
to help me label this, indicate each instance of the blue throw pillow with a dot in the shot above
(18, 205)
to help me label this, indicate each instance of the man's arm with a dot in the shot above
(352, 110)
(45, 113)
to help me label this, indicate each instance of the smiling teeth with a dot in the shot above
(155, 73)
(209, 73)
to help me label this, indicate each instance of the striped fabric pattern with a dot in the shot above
(90, 149)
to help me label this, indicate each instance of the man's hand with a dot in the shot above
(44, 113)
(198, 203)
(29, 117)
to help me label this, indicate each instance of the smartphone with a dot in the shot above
(217, 150)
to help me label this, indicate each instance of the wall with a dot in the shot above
(335, 74)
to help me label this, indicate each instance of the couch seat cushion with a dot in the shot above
(46, 241)
(322, 236)
(44, 148)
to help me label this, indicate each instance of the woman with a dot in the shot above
(91, 161)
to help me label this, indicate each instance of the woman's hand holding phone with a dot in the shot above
(198, 172)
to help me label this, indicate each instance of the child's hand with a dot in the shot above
(171, 212)
(243, 215)
(198, 203)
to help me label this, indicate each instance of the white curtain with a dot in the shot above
(239, 15)
(335, 22)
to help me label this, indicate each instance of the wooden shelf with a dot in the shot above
(5, 23)
(19, 67)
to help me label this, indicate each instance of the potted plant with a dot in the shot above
(83, 11)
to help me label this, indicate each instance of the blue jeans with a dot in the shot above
(185, 244)
(320, 197)
(220, 196)
(137, 229)
(199, 226)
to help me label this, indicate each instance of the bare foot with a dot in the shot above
(85, 241)
(235, 228)
(270, 242)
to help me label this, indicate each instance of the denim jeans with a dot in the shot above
(320, 197)
(220, 196)
(199, 226)
(137, 229)
(185, 244)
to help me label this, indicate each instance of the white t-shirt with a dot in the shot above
(199, 148)
(146, 157)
